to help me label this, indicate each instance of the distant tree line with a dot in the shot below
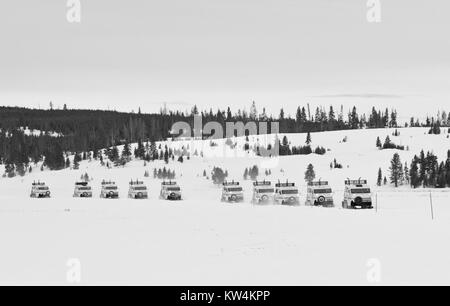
(86, 131)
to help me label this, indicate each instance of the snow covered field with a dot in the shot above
(202, 241)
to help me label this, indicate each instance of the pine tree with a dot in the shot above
(406, 174)
(254, 173)
(166, 156)
(126, 152)
(76, 161)
(379, 145)
(246, 174)
(140, 150)
(308, 139)
(380, 177)
(396, 169)
(218, 176)
(310, 174)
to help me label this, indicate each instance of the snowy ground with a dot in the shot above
(203, 241)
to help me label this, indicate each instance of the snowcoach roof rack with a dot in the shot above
(232, 183)
(262, 183)
(38, 183)
(136, 182)
(169, 183)
(104, 182)
(318, 183)
(287, 184)
(356, 182)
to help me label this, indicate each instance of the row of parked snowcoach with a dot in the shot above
(109, 190)
(357, 193)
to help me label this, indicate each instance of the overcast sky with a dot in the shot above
(216, 53)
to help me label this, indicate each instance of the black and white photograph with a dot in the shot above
(206, 144)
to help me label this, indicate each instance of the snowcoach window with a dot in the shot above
(111, 188)
(140, 188)
(43, 188)
(293, 191)
(173, 188)
(268, 190)
(327, 190)
(235, 189)
(361, 190)
(84, 188)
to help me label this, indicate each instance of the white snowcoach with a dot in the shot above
(286, 193)
(39, 190)
(82, 190)
(319, 194)
(232, 192)
(109, 190)
(357, 194)
(137, 190)
(263, 192)
(170, 191)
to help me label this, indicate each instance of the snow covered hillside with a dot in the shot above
(200, 240)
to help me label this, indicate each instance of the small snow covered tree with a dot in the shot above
(218, 176)
(246, 174)
(254, 172)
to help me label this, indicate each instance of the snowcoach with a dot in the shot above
(39, 190)
(109, 190)
(319, 194)
(357, 194)
(82, 190)
(170, 191)
(286, 193)
(137, 190)
(263, 192)
(232, 192)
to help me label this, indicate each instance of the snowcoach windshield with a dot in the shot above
(173, 188)
(267, 190)
(325, 190)
(140, 188)
(43, 188)
(84, 188)
(361, 190)
(111, 188)
(292, 191)
(235, 189)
